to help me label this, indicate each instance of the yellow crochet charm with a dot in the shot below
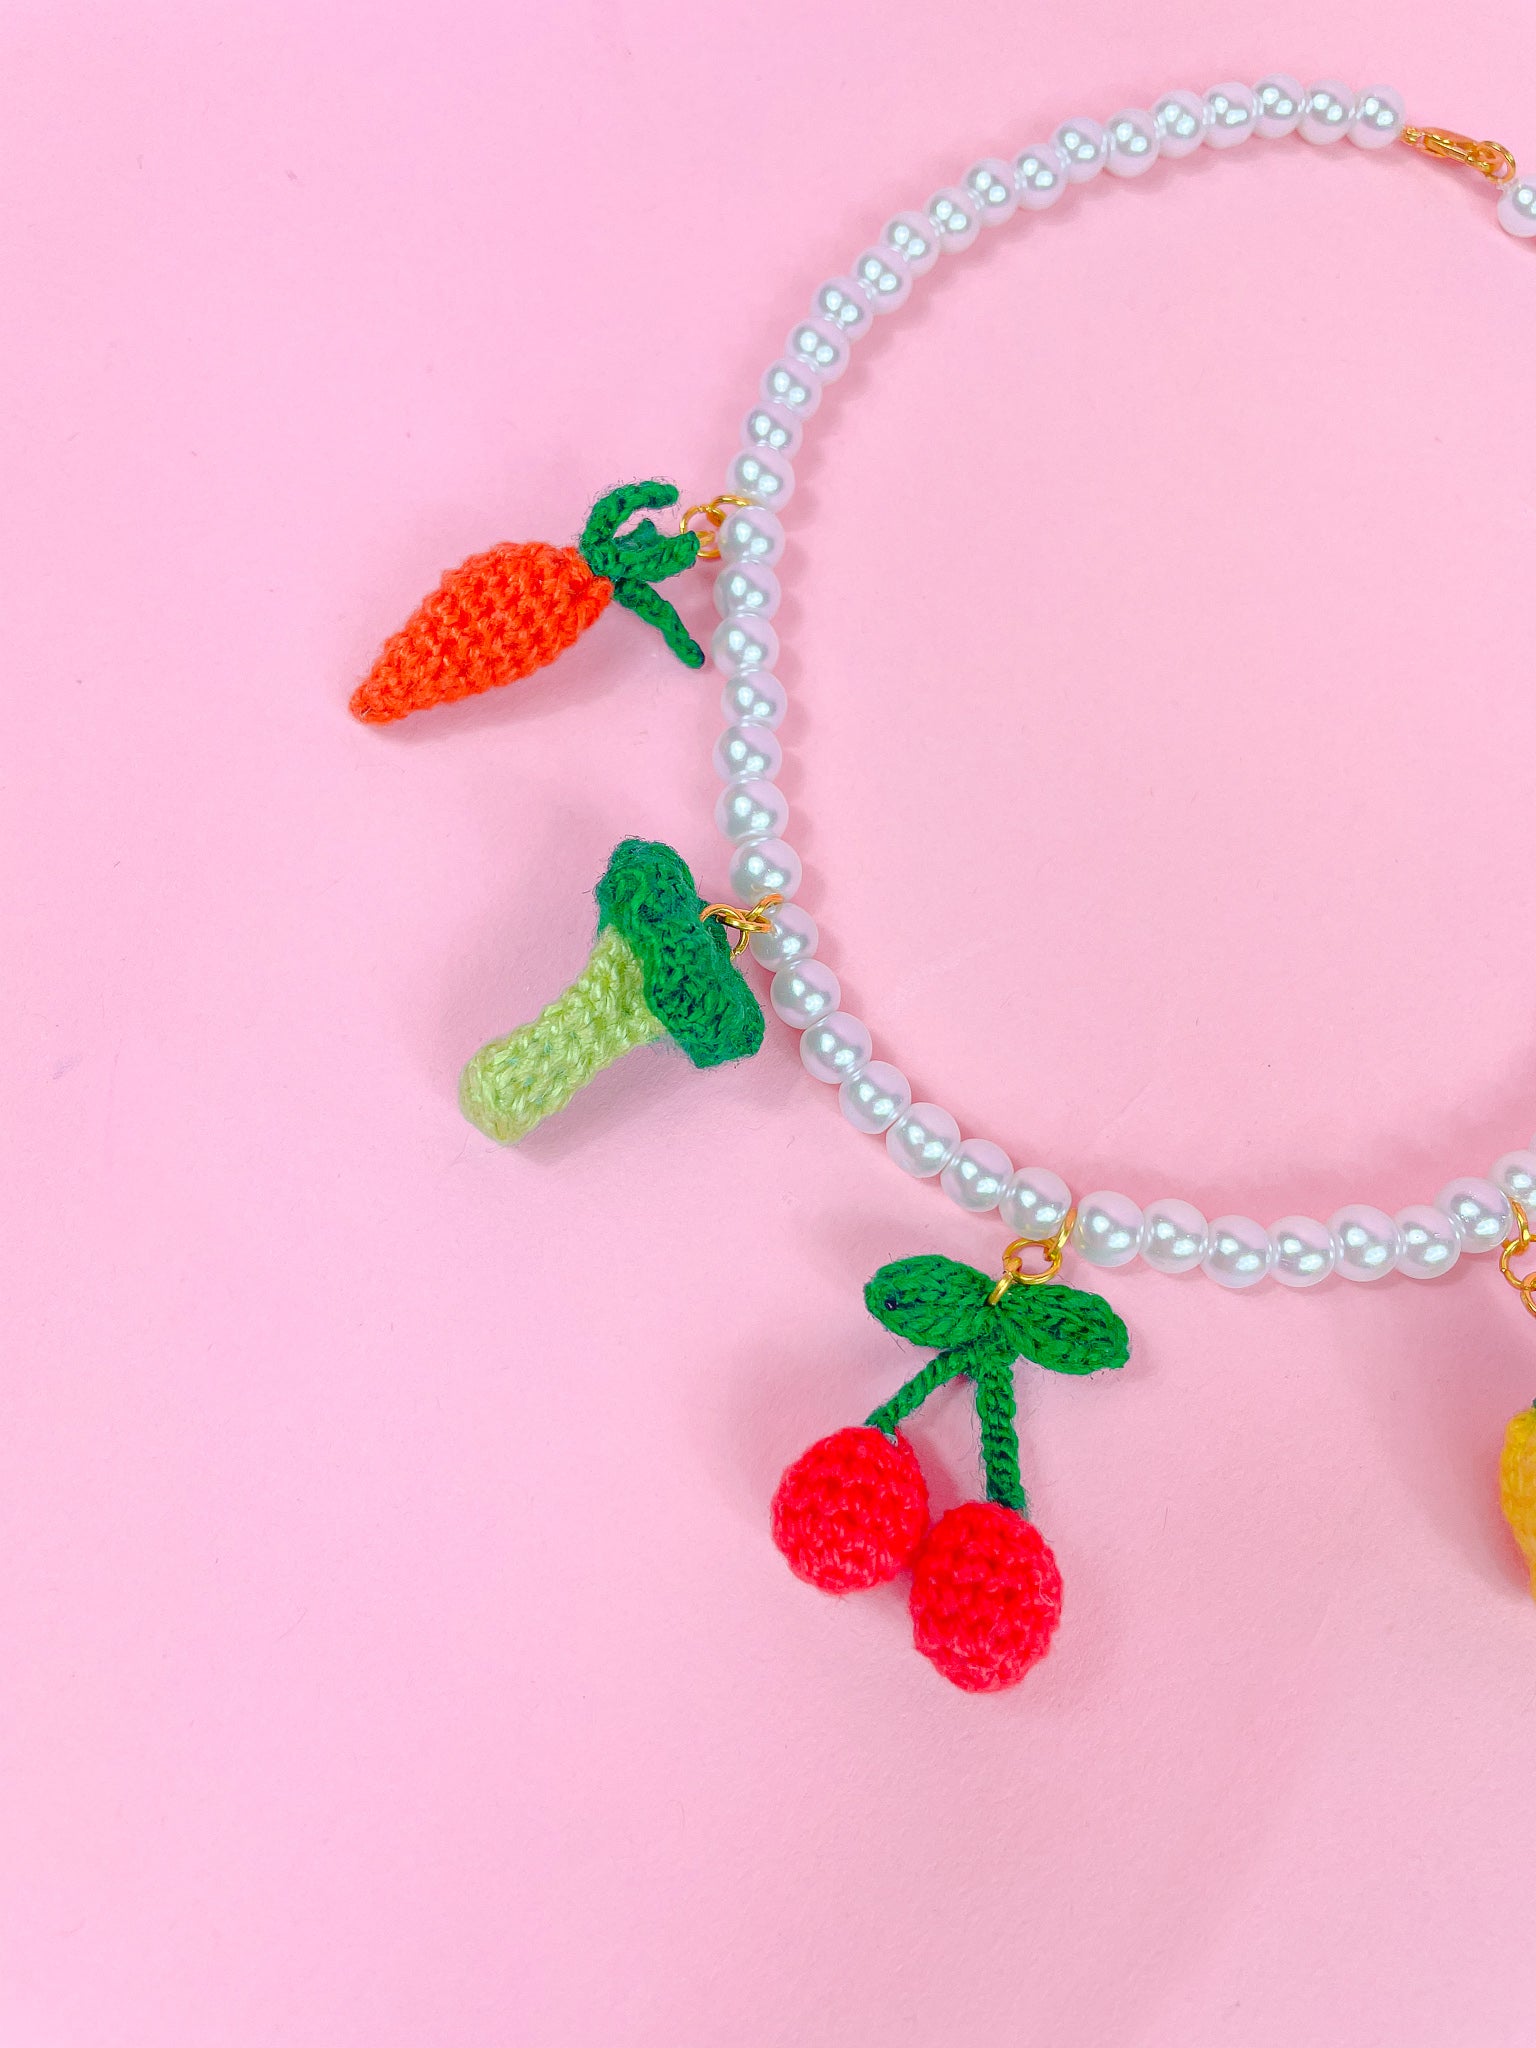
(1517, 1484)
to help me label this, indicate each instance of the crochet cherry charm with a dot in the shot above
(503, 614)
(986, 1596)
(660, 968)
(853, 1511)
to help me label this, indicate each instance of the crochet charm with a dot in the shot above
(1517, 1484)
(505, 613)
(660, 968)
(853, 1511)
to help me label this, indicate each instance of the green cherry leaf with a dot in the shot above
(931, 1300)
(1065, 1330)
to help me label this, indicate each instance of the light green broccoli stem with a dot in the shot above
(515, 1082)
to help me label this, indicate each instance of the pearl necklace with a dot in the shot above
(1471, 1214)
(853, 1510)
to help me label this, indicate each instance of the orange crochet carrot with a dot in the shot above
(501, 615)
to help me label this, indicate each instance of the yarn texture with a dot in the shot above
(986, 1596)
(1517, 1485)
(647, 893)
(503, 614)
(515, 1082)
(655, 971)
(851, 1511)
(986, 1593)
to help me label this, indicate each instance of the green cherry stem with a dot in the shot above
(988, 1360)
(996, 1409)
(945, 1365)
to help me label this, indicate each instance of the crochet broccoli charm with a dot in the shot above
(503, 614)
(853, 1511)
(660, 968)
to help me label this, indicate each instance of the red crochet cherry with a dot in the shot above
(986, 1596)
(851, 1511)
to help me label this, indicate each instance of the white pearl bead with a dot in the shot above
(1082, 144)
(766, 478)
(751, 810)
(743, 590)
(1281, 99)
(1481, 1209)
(1239, 1253)
(1304, 1251)
(1173, 1236)
(1379, 117)
(754, 697)
(742, 643)
(1035, 1203)
(873, 1098)
(954, 218)
(1232, 113)
(751, 533)
(1328, 112)
(748, 753)
(1040, 176)
(1134, 142)
(793, 937)
(773, 427)
(764, 867)
(911, 239)
(991, 189)
(792, 385)
(1366, 1243)
(975, 1178)
(840, 303)
(835, 1046)
(923, 1139)
(1431, 1242)
(1180, 118)
(1516, 1175)
(820, 348)
(884, 279)
(1108, 1229)
(1517, 209)
(802, 993)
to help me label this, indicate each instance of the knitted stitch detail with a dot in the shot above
(494, 619)
(931, 1300)
(514, 1083)
(655, 970)
(1064, 1329)
(850, 1512)
(996, 1413)
(648, 894)
(1517, 1484)
(986, 1596)
(636, 560)
(503, 614)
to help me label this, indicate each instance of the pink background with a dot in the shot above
(391, 1649)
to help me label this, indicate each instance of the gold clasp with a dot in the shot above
(714, 515)
(1515, 1248)
(1050, 1248)
(1490, 159)
(743, 923)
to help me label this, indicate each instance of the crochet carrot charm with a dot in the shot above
(660, 968)
(853, 1511)
(502, 614)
